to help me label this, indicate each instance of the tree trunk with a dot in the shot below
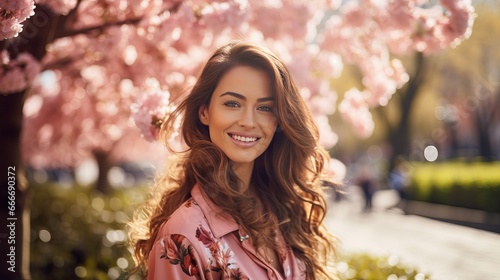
(38, 30)
(15, 205)
(485, 119)
(483, 134)
(399, 137)
(104, 165)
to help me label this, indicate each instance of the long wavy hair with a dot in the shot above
(286, 183)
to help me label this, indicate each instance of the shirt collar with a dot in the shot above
(220, 223)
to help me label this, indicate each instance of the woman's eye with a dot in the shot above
(266, 108)
(232, 104)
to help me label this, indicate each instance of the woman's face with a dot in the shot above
(241, 116)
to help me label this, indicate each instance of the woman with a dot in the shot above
(245, 200)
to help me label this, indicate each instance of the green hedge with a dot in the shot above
(367, 267)
(474, 185)
(77, 233)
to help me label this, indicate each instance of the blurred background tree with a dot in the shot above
(469, 87)
(454, 106)
(78, 70)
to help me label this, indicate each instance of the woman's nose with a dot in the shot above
(247, 118)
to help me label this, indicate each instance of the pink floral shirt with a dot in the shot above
(196, 243)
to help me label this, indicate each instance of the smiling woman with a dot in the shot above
(240, 117)
(245, 200)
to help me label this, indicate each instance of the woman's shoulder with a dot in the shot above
(184, 220)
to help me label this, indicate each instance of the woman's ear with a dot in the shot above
(203, 114)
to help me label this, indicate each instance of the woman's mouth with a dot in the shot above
(243, 138)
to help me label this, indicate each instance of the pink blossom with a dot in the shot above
(399, 14)
(353, 15)
(327, 137)
(336, 170)
(398, 73)
(12, 14)
(459, 24)
(354, 109)
(150, 109)
(320, 98)
(290, 18)
(61, 7)
(330, 64)
(17, 74)
(221, 16)
(334, 34)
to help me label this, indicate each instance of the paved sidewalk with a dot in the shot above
(445, 251)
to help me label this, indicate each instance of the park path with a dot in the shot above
(446, 251)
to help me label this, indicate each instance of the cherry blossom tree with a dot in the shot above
(373, 30)
(81, 69)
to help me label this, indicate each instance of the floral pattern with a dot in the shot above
(179, 254)
(195, 243)
(222, 258)
(178, 250)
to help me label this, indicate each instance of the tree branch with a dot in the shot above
(75, 9)
(65, 61)
(102, 27)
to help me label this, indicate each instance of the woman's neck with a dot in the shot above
(244, 173)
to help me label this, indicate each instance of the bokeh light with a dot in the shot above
(113, 273)
(393, 260)
(44, 235)
(98, 203)
(80, 271)
(431, 153)
(122, 263)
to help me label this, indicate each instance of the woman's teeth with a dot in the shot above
(244, 139)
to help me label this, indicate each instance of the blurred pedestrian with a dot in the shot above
(366, 180)
(398, 180)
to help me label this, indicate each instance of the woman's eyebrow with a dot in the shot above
(234, 94)
(242, 97)
(264, 99)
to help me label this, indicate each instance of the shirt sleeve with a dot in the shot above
(173, 257)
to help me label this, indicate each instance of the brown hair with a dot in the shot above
(285, 179)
